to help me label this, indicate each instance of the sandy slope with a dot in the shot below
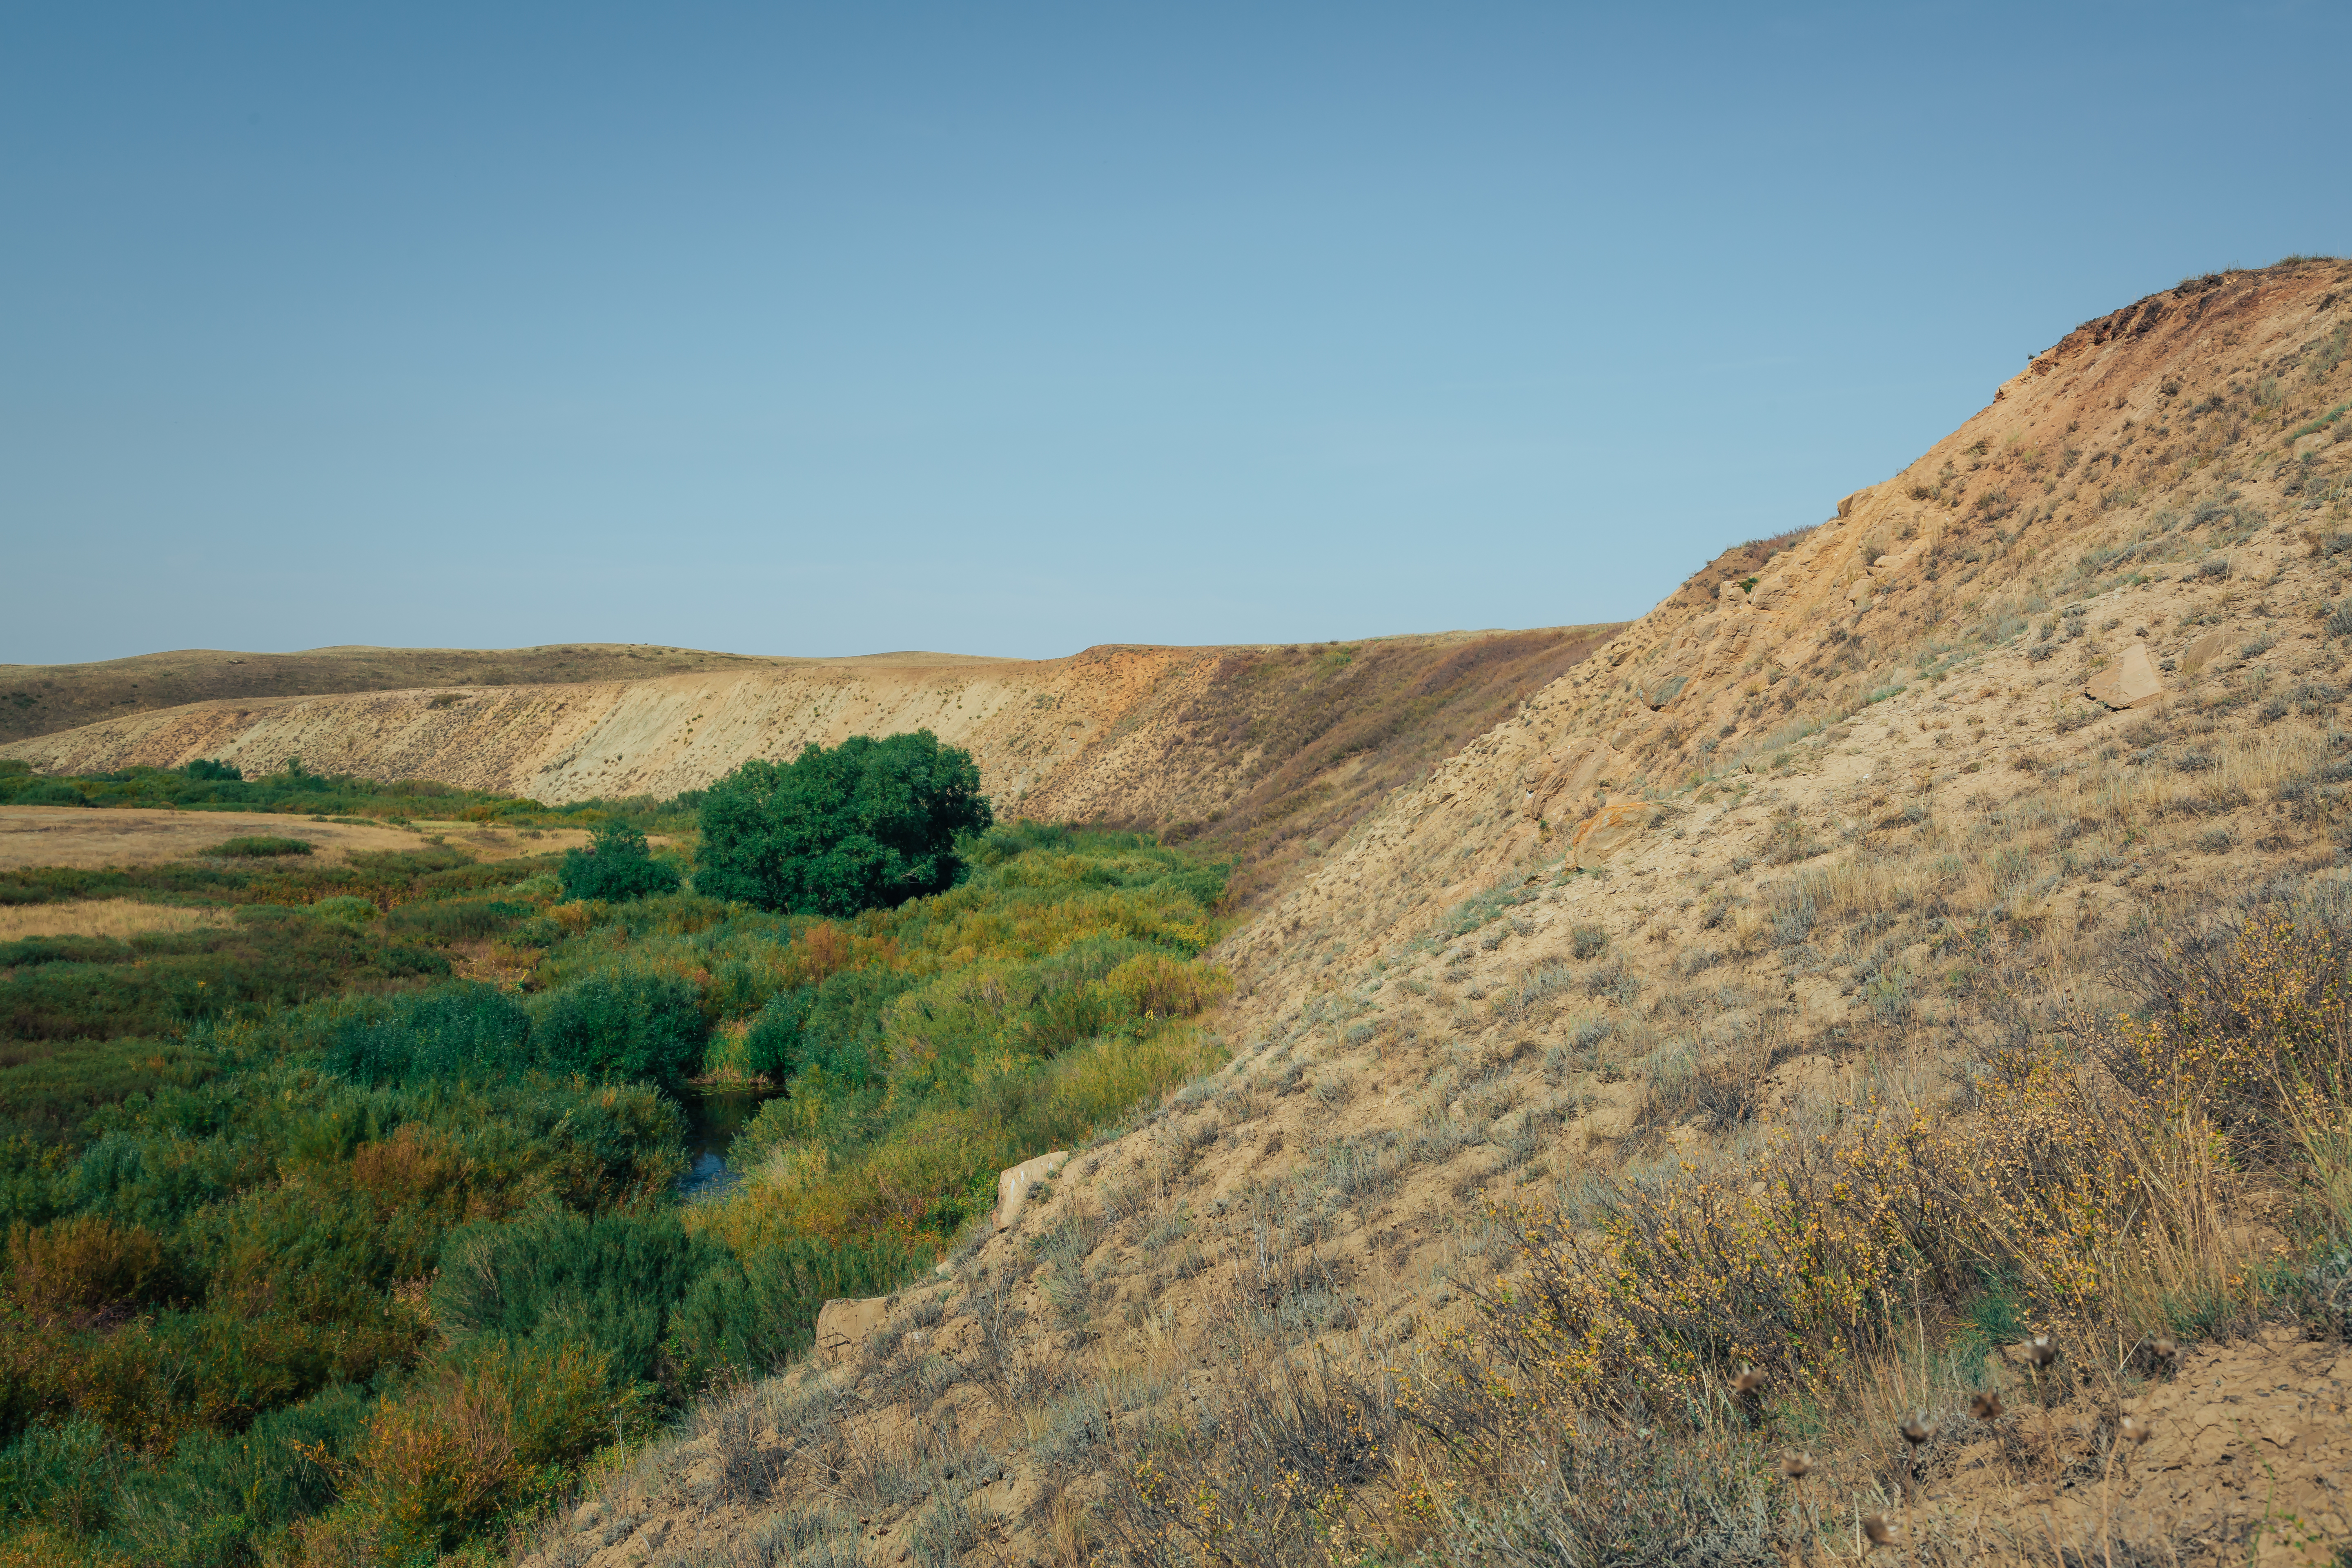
(42, 700)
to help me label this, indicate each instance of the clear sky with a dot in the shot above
(1013, 328)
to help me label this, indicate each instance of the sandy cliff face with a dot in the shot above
(2139, 440)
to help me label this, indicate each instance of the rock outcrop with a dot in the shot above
(842, 1327)
(2130, 682)
(1013, 1187)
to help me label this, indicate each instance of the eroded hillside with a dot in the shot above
(1747, 999)
(41, 699)
(1263, 751)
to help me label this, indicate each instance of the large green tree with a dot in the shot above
(861, 826)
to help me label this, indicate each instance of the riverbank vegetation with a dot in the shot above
(343, 1224)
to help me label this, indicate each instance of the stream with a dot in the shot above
(713, 1118)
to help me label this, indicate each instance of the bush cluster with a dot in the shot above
(312, 1257)
(862, 825)
(616, 866)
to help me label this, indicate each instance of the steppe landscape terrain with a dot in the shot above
(1714, 939)
(1256, 751)
(1853, 1064)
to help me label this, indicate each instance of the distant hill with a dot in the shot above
(1265, 752)
(43, 699)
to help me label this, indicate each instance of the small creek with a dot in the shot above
(713, 1117)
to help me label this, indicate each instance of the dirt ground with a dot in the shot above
(87, 838)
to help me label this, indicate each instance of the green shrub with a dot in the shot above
(61, 1476)
(756, 1313)
(260, 846)
(867, 824)
(465, 1031)
(616, 867)
(347, 908)
(457, 919)
(842, 1032)
(221, 1493)
(772, 1044)
(611, 1281)
(645, 1026)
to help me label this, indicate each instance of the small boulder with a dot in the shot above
(2199, 654)
(1013, 1187)
(843, 1326)
(2130, 682)
(1657, 693)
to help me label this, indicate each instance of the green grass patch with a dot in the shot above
(2313, 427)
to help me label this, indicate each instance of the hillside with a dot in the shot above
(1260, 751)
(41, 699)
(1802, 982)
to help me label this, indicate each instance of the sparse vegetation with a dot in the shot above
(2085, 1193)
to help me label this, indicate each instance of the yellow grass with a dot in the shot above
(139, 835)
(103, 916)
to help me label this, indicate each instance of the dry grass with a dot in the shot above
(80, 836)
(129, 837)
(104, 917)
(2117, 1183)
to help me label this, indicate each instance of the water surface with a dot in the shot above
(713, 1117)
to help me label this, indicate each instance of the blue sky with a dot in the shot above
(1013, 329)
